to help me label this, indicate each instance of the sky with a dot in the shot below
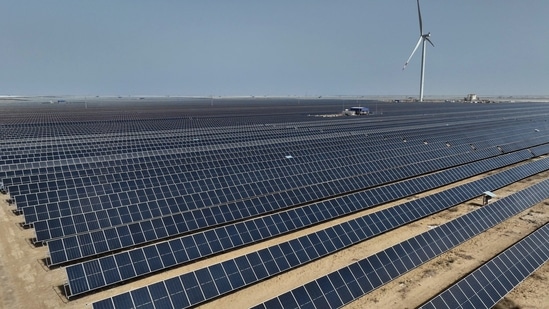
(282, 47)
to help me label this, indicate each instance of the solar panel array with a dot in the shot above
(163, 214)
(224, 238)
(333, 208)
(119, 194)
(359, 278)
(213, 281)
(488, 284)
(193, 194)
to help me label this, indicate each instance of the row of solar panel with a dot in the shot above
(357, 279)
(439, 128)
(181, 137)
(200, 163)
(256, 127)
(488, 284)
(204, 133)
(204, 129)
(82, 141)
(107, 144)
(483, 129)
(113, 123)
(386, 141)
(111, 127)
(211, 132)
(195, 219)
(75, 160)
(278, 200)
(174, 137)
(245, 154)
(111, 215)
(233, 137)
(139, 163)
(91, 275)
(222, 134)
(147, 189)
(190, 174)
(67, 249)
(367, 274)
(204, 192)
(143, 195)
(259, 229)
(108, 148)
(163, 183)
(195, 150)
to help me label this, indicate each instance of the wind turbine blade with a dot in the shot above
(428, 40)
(420, 21)
(417, 45)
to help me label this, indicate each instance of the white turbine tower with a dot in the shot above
(422, 39)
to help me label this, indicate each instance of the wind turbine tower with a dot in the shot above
(423, 38)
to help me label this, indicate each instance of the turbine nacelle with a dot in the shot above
(426, 38)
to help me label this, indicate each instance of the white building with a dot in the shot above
(471, 97)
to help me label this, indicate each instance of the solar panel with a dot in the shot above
(22, 200)
(423, 132)
(497, 277)
(87, 182)
(59, 160)
(323, 190)
(346, 204)
(367, 274)
(55, 161)
(383, 264)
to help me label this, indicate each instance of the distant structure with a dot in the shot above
(356, 111)
(471, 97)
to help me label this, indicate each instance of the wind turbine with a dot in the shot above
(422, 39)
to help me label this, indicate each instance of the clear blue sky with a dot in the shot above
(282, 47)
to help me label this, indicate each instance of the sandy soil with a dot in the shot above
(25, 282)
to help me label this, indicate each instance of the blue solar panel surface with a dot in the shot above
(118, 194)
(166, 226)
(360, 278)
(488, 284)
(200, 245)
(383, 266)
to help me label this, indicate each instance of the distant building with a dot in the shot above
(357, 111)
(471, 97)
